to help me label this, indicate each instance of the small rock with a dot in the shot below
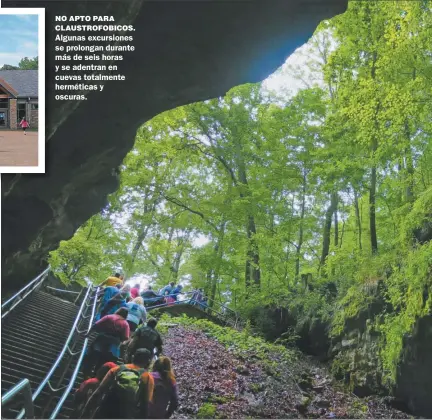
(242, 370)
(348, 343)
(321, 402)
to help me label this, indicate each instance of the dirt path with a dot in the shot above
(215, 384)
(17, 149)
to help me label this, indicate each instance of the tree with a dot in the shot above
(28, 63)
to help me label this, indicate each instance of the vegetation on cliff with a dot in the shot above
(316, 201)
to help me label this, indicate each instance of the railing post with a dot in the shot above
(24, 388)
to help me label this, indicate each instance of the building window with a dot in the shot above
(21, 111)
(4, 103)
(34, 107)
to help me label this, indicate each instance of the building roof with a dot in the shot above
(8, 88)
(25, 82)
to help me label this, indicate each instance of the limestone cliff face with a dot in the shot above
(185, 52)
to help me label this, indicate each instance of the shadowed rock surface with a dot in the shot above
(185, 52)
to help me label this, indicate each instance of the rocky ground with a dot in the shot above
(215, 383)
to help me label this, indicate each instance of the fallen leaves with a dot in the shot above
(213, 382)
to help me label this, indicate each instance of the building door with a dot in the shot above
(21, 111)
(3, 119)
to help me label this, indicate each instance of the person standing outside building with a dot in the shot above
(24, 125)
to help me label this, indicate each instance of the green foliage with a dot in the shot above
(305, 201)
(29, 63)
(207, 411)
(242, 344)
(24, 64)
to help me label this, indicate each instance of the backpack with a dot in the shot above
(147, 338)
(123, 394)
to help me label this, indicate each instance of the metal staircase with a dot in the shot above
(43, 345)
(32, 339)
(42, 350)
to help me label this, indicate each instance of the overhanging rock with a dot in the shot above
(186, 51)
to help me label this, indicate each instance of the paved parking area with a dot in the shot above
(17, 149)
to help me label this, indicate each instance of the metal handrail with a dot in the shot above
(224, 316)
(62, 290)
(24, 388)
(36, 281)
(78, 365)
(60, 356)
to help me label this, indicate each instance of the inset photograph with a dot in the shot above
(22, 96)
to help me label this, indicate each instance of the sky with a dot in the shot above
(18, 38)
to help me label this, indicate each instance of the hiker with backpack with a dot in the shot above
(114, 280)
(145, 337)
(125, 392)
(165, 394)
(137, 313)
(83, 393)
(112, 331)
(106, 294)
(151, 298)
(119, 300)
(168, 288)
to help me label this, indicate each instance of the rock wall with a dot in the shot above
(414, 380)
(354, 355)
(185, 52)
(355, 359)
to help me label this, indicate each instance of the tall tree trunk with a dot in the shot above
(252, 268)
(181, 243)
(300, 237)
(342, 234)
(209, 277)
(372, 189)
(336, 229)
(336, 234)
(409, 166)
(253, 273)
(372, 205)
(138, 244)
(358, 218)
(327, 227)
(219, 254)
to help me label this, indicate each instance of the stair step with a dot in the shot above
(27, 347)
(33, 336)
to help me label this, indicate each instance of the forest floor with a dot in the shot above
(215, 383)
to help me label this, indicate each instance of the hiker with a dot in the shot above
(166, 289)
(150, 297)
(112, 281)
(112, 330)
(119, 300)
(165, 394)
(169, 299)
(204, 303)
(137, 313)
(125, 392)
(107, 293)
(145, 337)
(24, 125)
(196, 297)
(135, 291)
(83, 393)
(176, 291)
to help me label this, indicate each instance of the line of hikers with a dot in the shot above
(114, 390)
(116, 294)
(129, 391)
